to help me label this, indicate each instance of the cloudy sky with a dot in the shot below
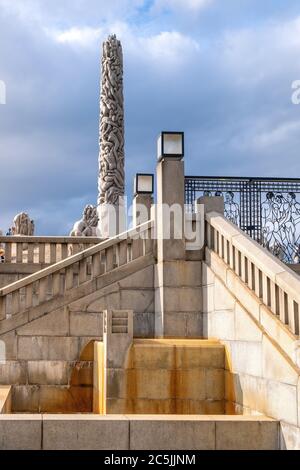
(221, 70)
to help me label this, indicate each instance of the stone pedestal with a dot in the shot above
(142, 204)
(177, 281)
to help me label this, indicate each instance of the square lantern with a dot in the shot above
(170, 145)
(144, 183)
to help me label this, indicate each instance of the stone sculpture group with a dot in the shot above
(87, 226)
(23, 225)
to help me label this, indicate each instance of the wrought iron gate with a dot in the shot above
(268, 209)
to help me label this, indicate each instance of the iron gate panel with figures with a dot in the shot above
(267, 209)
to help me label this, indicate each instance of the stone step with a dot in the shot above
(131, 432)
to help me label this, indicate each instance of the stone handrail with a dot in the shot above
(42, 250)
(272, 281)
(75, 270)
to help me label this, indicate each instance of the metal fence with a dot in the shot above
(267, 209)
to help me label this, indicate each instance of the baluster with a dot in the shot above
(76, 248)
(42, 252)
(274, 298)
(15, 302)
(69, 280)
(208, 235)
(137, 248)
(29, 296)
(2, 307)
(64, 250)
(216, 241)
(258, 282)
(147, 243)
(122, 252)
(250, 275)
(30, 257)
(96, 265)
(43, 287)
(52, 253)
(82, 271)
(8, 247)
(56, 284)
(244, 268)
(109, 259)
(296, 317)
(283, 307)
(19, 252)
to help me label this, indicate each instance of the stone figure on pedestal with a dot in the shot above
(87, 226)
(23, 225)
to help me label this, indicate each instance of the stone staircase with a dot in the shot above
(47, 330)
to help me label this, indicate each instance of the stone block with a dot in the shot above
(190, 384)
(120, 383)
(245, 327)
(200, 354)
(182, 299)
(279, 332)
(223, 299)
(59, 399)
(142, 279)
(85, 432)
(86, 324)
(48, 372)
(216, 264)
(247, 434)
(276, 366)
(138, 300)
(167, 433)
(53, 324)
(289, 437)
(49, 348)
(154, 384)
(110, 301)
(183, 324)
(13, 372)
(214, 384)
(25, 399)
(143, 324)
(246, 357)
(81, 373)
(208, 277)
(281, 402)
(153, 356)
(20, 432)
(220, 324)
(244, 295)
(178, 274)
(208, 304)
(10, 342)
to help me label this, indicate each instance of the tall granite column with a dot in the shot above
(111, 181)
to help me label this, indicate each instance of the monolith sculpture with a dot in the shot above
(111, 179)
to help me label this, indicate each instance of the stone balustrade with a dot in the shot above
(276, 285)
(56, 280)
(42, 250)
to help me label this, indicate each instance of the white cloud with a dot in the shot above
(192, 6)
(171, 48)
(77, 36)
